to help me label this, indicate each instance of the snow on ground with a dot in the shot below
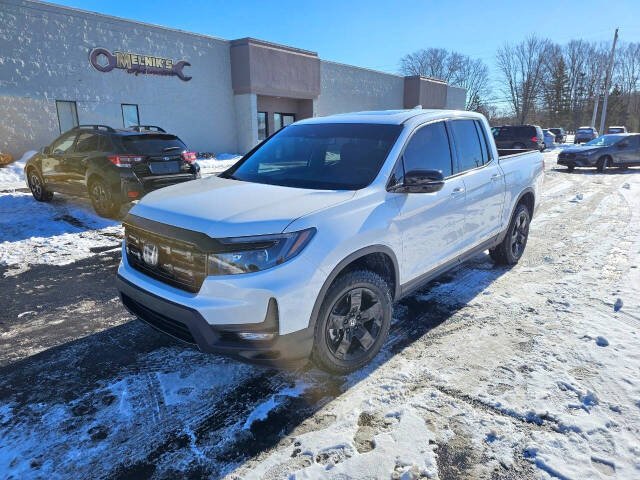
(211, 166)
(12, 175)
(489, 372)
(57, 233)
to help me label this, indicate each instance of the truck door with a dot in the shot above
(431, 223)
(86, 146)
(483, 180)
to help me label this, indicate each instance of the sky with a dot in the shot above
(376, 33)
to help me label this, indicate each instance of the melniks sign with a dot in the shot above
(104, 61)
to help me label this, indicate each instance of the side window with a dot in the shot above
(467, 144)
(63, 144)
(429, 149)
(486, 153)
(87, 142)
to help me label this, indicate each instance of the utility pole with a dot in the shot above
(607, 79)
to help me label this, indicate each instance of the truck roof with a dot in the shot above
(393, 117)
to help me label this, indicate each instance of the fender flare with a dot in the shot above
(341, 266)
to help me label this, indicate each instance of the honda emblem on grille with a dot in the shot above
(150, 254)
(166, 159)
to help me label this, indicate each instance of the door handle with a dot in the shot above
(495, 177)
(457, 191)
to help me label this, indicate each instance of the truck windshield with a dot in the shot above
(336, 156)
(604, 141)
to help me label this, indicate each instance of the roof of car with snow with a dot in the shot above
(393, 117)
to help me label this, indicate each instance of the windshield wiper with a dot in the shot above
(166, 149)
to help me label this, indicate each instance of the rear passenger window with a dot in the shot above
(467, 144)
(483, 143)
(87, 142)
(429, 149)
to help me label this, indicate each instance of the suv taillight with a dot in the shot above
(189, 156)
(125, 160)
(534, 139)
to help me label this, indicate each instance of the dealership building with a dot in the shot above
(60, 67)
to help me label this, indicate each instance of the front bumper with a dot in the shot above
(577, 161)
(188, 325)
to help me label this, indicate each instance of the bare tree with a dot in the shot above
(521, 67)
(452, 67)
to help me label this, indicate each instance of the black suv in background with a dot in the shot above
(110, 166)
(559, 133)
(519, 137)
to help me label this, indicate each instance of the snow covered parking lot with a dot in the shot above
(529, 372)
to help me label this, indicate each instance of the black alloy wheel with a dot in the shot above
(519, 234)
(102, 199)
(353, 322)
(36, 185)
(510, 250)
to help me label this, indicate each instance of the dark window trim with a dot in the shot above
(266, 125)
(122, 105)
(75, 111)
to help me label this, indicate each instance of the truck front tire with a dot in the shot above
(353, 322)
(510, 250)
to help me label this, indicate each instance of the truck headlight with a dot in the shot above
(252, 254)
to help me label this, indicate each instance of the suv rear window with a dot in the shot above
(517, 132)
(152, 144)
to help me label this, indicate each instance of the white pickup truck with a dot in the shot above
(300, 249)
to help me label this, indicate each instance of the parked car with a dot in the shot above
(560, 134)
(585, 134)
(549, 139)
(621, 150)
(110, 166)
(613, 129)
(300, 248)
(519, 137)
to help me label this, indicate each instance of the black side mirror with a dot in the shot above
(421, 181)
(46, 150)
(624, 144)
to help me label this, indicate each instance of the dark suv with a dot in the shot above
(110, 166)
(519, 137)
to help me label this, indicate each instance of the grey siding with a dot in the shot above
(45, 57)
(456, 98)
(345, 88)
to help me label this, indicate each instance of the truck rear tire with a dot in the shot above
(510, 250)
(353, 322)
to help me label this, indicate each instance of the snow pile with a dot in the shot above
(215, 165)
(12, 175)
(56, 233)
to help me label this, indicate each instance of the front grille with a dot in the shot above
(165, 324)
(177, 263)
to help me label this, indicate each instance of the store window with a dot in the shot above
(282, 120)
(130, 116)
(67, 115)
(262, 126)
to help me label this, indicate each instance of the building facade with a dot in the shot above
(60, 67)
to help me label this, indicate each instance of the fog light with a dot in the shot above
(256, 336)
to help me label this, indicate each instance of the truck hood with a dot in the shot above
(222, 207)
